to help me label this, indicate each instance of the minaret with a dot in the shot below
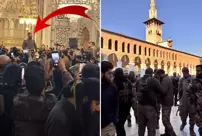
(152, 10)
(153, 25)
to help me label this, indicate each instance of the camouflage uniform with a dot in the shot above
(195, 98)
(185, 107)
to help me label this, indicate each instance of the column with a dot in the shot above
(11, 28)
(46, 33)
(171, 70)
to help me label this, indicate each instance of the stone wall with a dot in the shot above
(157, 57)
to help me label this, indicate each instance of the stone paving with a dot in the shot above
(175, 120)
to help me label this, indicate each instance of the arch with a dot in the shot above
(138, 61)
(128, 48)
(155, 64)
(125, 61)
(175, 65)
(123, 46)
(102, 41)
(113, 59)
(85, 36)
(110, 44)
(168, 64)
(116, 45)
(148, 63)
(183, 64)
(162, 64)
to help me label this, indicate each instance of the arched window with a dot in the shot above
(123, 47)
(116, 45)
(145, 51)
(102, 42)
(167, 55)
(128, 48)
(175, 56)
(110, 44)
(160, 54)
(134, 49)
(149, 51)
(154, 53)
(157, 53)
(140, 51)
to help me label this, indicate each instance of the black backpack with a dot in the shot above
(145, 95)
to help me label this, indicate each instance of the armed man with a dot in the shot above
(194, 93)
(185, 107)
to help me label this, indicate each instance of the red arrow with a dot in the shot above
(76, 10)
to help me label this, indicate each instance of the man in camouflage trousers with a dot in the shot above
(195, 96)
(185, 107)
(167, 102)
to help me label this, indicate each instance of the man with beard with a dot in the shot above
(185, 108)
(195, 96)
(167, 102)
(109, 100)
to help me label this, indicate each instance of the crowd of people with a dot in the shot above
(49, 92)
(149, 96)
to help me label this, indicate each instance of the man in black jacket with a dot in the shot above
(167, 102)
(109, 96)
(64, 120)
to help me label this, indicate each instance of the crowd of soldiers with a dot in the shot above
(151, 95)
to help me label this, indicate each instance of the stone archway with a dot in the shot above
(162, 64)
(125, 61)
(113, 59)
(148, 63)
(138, 64)
(155, 64)
(85, 36)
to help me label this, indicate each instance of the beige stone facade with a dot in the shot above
(143, 54)
(62, 27)
(153, 52)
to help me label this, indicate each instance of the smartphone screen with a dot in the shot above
(25, 51)
(12, 55)
(23, 73)
(55, 58)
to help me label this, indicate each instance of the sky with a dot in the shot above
(182, 18)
